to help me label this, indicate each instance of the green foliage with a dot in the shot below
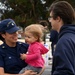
(26, 12)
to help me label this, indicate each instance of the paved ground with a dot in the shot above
(47, 70)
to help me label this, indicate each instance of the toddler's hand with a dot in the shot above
(23, 56)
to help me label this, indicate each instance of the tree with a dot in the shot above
(25, 12)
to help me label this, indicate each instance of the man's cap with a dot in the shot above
(8, 25)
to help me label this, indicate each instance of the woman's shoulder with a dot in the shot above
(2, 47)
(22, 44)
(19, 44)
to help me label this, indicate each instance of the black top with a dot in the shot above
(53, 36)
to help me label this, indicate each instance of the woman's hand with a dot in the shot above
(29, 72)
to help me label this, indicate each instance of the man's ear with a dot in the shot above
(59, 19)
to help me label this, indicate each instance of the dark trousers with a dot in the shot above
(52, 47)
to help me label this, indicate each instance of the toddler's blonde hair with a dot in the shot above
(35, 30)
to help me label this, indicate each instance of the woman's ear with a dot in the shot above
(3, 35)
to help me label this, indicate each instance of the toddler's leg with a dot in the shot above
(22, 71)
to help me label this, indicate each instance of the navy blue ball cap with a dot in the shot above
(8, 25)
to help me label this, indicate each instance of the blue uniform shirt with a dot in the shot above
(10, 57)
